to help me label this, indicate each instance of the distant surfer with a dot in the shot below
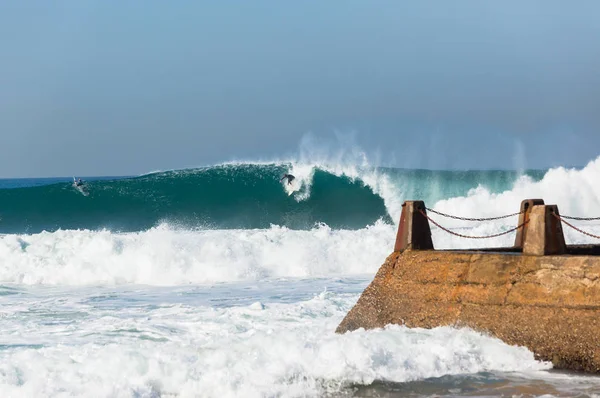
(289, 177)
(80, 185)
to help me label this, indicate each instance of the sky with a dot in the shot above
(127, 87)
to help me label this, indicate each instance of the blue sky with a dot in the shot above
(126, 87)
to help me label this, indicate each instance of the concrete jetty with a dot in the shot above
(540, 293)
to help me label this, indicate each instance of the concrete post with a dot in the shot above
(526, 207)
(544, 232)
(413, 232)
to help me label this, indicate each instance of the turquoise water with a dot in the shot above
(241, 196)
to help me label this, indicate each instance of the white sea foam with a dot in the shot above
(162, 348)
(165, 256)
(576, 192)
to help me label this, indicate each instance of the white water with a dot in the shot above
(164, 256)
(272, 338)
(576, 192)
(169, 312)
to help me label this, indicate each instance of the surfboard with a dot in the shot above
(291, 188)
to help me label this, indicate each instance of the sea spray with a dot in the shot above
(168, 256)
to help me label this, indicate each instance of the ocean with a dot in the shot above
(222, 281)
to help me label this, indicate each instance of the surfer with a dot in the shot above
(289, 177)
(78, 183)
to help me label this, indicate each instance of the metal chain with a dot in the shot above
(472, 219)
(471, 237)
(560, 218)
(581, 218)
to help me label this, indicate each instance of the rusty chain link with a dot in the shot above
(581, 218)
(472, 219)
(560, 218)
(468, 236)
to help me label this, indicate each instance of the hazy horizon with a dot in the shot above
(107, 88)
(69, 177)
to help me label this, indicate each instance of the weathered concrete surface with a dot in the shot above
(550, 304)
(413, 230)
(544, 234)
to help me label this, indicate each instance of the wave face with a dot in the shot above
(236, 196)
(352, 208)
(242, 196)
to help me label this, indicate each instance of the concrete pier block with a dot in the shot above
(544, 232)
(413, 232)
(526, 207)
